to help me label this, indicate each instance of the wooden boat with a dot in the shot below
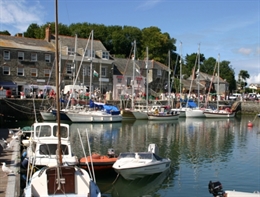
(100, 162)
(162, 115)
(215, 188)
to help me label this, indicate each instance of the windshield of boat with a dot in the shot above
(50, 149)
(140, 155)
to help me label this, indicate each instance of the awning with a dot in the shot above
(8, 84)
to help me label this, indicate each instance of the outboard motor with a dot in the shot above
(215, 188)
(153, 148)
(111, 152)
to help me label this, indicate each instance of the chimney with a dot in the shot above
(48, 33)
(19, 35)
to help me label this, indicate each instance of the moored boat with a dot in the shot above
(216, 189)
(100, 162)
(133, 165)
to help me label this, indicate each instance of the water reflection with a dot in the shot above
(200, 150)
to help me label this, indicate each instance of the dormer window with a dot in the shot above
(71, 51)
(88, 53)
(20, 56)
(105, 55)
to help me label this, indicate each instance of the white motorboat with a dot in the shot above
(216, 189)
(133, 165)
(43, 145)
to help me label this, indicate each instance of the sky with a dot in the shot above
(229, 28)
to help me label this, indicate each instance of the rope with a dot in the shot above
(9, 104)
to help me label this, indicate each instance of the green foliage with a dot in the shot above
(118, 41)
(5, 33)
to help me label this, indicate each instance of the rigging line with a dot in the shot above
(16, 104)
(20, 110)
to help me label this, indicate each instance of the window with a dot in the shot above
(47, 72)
(103, 72)
(119, 80)
(20, 71)
(84, 69)
(69, 70)
(88, 70)
(71, 51)
(128, 81)
(34, 72)
(47, 58)
(105, 55)
(6, 70)
(20, 55)
(88, 55)
(34, 57)
(6, 55)
(159, 72)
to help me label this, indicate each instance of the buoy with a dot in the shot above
(250, 124)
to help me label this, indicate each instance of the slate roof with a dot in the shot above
(125, 66)
(24, 43)
(207, 77)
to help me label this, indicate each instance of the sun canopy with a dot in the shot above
(8, 84)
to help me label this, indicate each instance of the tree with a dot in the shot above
(33, 31)
(5, 33)
(242, 76)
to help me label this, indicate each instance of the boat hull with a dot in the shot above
(194, 113)
(140, 115)
(219, 115)
(48, 116)
(142, 171)
(163, 117)
(93, 117)
(100, 162)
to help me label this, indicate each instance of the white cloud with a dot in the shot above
(244, 51)
(148, 4)
(16, 16)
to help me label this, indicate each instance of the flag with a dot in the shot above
(95, 73)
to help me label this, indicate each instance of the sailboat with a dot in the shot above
(219, 113)
(61, 180)
(163, 114)
(196, 112)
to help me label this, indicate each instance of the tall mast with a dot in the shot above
(169, 75)
(198, 75)
(133, 80)
(218, 96)
(147, 63)
(57, 80)
(91, 65)
(181, 72)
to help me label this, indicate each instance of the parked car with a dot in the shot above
(252, 97)
(235, 96)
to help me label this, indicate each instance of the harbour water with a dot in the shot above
(224, 150)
